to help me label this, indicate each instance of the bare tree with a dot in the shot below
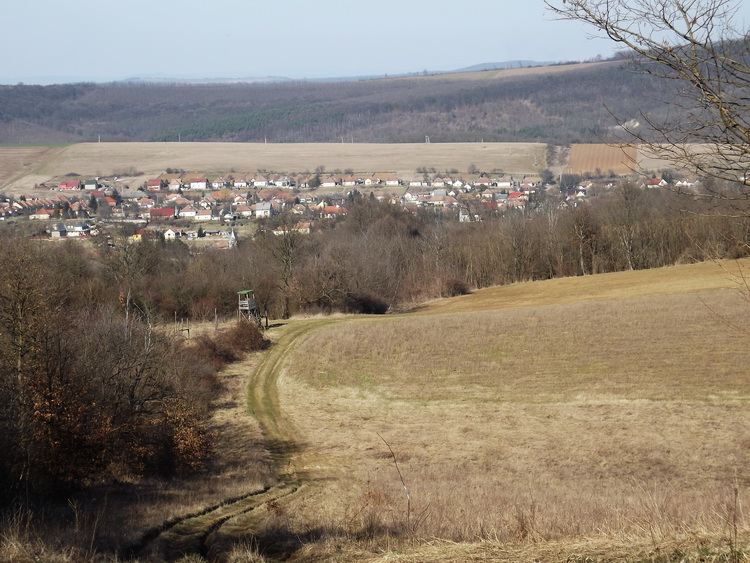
(695, 45)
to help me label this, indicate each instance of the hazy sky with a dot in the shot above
(117, 39)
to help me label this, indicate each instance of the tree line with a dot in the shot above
(382, 257)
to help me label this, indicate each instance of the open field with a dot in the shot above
(604, 411)
(587, 158)
(18, 161)
(151, 159)
(505, 73)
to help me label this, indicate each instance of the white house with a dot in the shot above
(198, 184)
(263, 209)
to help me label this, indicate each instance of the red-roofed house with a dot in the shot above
(154, 184)
(655, 183)
(331, 211)
(41, 214)
(161, 213)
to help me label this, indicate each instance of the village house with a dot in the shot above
(264, 209)
(655, 183)
(187, 212)
(78, 229)
(69, 185)
(241, 183)
(161, 213)
(243, 210)
(330, 182)
(205, 215)
(301, 228)
(146, 203)
(332, 211)
(198, 184)
(41, 215)
(58, 230)
(260, 181)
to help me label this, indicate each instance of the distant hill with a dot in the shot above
(556, 104)
(506, 64)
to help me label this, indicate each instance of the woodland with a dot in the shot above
(561, 107)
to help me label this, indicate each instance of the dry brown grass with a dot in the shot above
(616, 412)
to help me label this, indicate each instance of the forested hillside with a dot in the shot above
(575, 103)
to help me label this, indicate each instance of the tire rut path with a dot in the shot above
(200, 532)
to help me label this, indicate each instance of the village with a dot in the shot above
(193, 206)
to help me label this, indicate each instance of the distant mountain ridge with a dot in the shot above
(158, 78)
(505, 64)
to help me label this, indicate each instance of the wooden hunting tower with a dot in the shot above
(247, 307)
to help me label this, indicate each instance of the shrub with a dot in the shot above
(230, 345)
(453, 287)
(366, 304)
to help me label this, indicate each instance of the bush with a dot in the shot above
(453, 287)
(366, 304)
(230, 345)
(246, 337)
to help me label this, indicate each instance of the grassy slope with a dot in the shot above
(606, 409)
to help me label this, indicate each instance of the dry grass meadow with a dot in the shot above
(151, 159)
(596, 415)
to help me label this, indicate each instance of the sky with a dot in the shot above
(101, 40)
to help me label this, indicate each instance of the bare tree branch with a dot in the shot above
(693, 44)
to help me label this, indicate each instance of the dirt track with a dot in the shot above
(212, 531)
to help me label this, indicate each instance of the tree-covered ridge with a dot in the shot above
(573, 106)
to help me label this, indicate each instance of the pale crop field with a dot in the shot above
(17, 162)
(617, 412)
(499, 74)
(212, 159)
(587, 158)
